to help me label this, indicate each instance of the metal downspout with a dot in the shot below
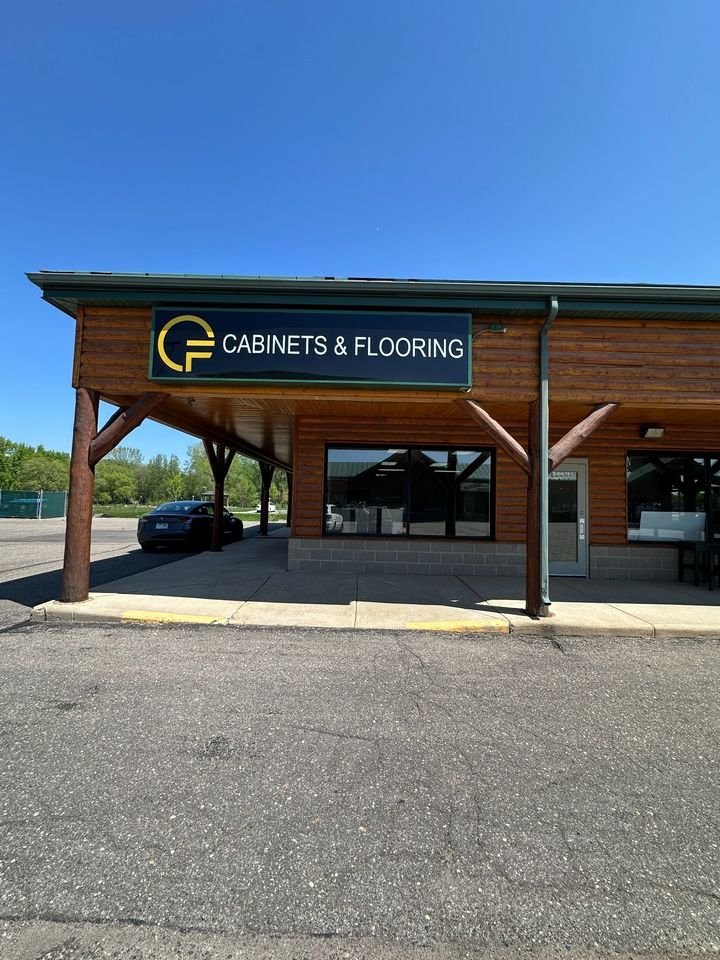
(545, 451)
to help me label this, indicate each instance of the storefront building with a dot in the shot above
(427, 427)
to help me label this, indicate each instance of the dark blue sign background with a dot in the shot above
(312, 346)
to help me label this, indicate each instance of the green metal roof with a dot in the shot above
(69, 289)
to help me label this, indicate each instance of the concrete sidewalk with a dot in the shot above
(247, 583)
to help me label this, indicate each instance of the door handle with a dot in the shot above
(581, 528)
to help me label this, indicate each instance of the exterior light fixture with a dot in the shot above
(652, 431)
(492, 328)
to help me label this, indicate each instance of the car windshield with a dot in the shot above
(177, 507)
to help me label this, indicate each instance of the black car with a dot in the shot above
(186, 523)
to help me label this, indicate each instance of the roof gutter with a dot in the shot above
(580, 293)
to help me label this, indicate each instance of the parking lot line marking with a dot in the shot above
(461, 626)
(158, 616)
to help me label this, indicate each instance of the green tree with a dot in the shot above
(43, 472)
(279, 488)
(114, 482)
(175, 486)
(122, 476)
(243, 482)
(157, 479)
(198, 475)
(12, 456)
(53, 454)
(132, 456)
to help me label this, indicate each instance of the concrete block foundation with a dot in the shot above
(467, 558)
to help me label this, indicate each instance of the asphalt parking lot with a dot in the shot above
(202, 791)
(31, 556)
(32, 553)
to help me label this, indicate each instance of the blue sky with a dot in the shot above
(573, 140)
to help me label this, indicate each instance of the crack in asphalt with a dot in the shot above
(337, 733)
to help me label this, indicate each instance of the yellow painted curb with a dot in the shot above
(155, 616)
(460, 626)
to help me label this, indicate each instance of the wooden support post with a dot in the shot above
(220, 462)
(266, 475)
(288, 519)
(531, 464)
(219, 501)
(89, 447)
(534, 605)
(76, 567)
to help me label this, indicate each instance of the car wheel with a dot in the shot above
(148, 547)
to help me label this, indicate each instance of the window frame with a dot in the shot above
(409, 447)
(712, 522)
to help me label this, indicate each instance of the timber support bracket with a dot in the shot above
(121, 423)
(220, 462)
(531, 462)
(573, 438)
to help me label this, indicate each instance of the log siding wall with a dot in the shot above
(651, 364)
(591, 361)
(604, 451)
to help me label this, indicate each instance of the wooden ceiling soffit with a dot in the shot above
(233, 442)
(197, 428)
(255, 453)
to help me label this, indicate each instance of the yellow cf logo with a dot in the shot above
(190, 355)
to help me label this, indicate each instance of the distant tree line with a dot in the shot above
(123, 476)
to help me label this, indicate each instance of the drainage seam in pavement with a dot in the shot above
(635, 617)
(485, 600)
(607, 603)
(265, 581)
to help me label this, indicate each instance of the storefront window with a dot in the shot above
(673, 497)
(714, 511)
(429, 492)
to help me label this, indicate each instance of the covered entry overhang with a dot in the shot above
(600, 363)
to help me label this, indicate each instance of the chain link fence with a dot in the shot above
(33, 504)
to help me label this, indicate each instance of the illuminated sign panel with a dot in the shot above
(379, 348)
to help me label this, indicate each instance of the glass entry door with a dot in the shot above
(567, 515)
